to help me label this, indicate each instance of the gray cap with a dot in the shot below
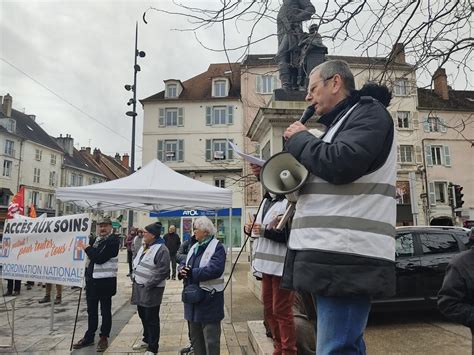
(104, 220)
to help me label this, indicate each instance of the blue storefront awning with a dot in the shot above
(197, 213)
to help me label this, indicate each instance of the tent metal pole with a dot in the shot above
(230, 241)
(53, 289)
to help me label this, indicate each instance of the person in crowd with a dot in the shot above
(341, 245)
(269, 251)
(203, 292)
(181, 259)
(137, 243)
(47, 296)
(128, 244)
(13, 288)
(456, 297)
(101, 283)
(172, 242)
(150, 270)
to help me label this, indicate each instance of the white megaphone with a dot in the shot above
(282, 174)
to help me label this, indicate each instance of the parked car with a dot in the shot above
(422, 255)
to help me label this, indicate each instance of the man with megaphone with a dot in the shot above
(341, 245)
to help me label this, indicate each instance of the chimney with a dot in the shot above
(126, 160)
(67, 143)
(33, 117)
(97, 155)
(117, 157)
(440, 81)
(398, 53)
(7, 105)
(88, 150)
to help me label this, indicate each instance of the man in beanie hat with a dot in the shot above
(101, 283)
(151, 267)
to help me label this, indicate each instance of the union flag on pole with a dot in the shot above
(17, 205)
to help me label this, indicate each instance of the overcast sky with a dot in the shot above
(67, 62)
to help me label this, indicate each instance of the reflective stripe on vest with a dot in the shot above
(105, 270)
(356, 218)
(143, 269)
(269, 256)
(209, 285)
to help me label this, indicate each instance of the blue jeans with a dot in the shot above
(340, 324)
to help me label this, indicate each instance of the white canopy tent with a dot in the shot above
(154, 187)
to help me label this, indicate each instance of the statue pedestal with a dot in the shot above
(288, 95)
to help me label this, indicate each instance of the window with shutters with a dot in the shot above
(441, 192)
(438, 155)
(219, 115)
(219, 149)
(438, 192)
(403, 118)
(266, 84)
(171, 150)
(406, 154)
(171, 117)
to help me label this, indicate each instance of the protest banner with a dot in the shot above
(45, 250)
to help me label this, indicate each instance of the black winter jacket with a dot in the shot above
(456, 297)
(360, 146)
(103, 252)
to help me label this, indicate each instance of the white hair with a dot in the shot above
(204, 224)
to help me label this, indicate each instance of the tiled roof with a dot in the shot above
(28, 129)
(259, 60)
(107, 165)
(79, 162)
(459, 100)
(200, 86)
(269, 59)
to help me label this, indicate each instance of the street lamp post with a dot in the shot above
(133, 113)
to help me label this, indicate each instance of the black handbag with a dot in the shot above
(192, 294)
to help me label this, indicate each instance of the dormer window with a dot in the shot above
(220, 88)
(173, 88)
(171, 91)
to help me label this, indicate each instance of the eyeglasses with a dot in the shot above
(318, 81)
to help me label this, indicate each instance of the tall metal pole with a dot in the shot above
(134, 110)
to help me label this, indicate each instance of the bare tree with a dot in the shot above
(432, 32)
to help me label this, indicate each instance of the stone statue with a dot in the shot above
(290, 32)
(309, 41)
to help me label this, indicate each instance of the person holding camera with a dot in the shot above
(151, 267)
(203, 292)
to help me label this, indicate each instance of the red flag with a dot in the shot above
(17, 205)
(32, 211)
